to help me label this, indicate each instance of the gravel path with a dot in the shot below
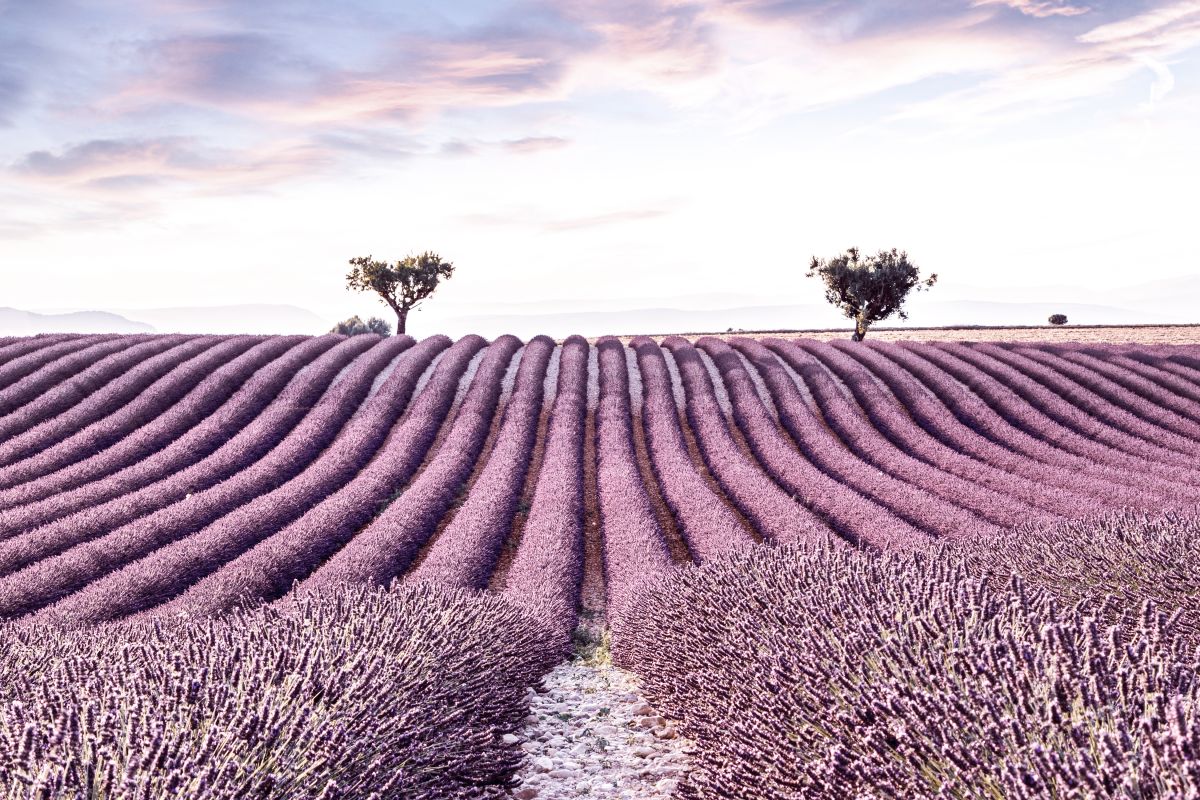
(591, 734)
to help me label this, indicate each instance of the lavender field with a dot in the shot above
(333, 567)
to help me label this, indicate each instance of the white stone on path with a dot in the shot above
(591, 734)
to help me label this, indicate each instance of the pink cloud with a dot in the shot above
(1039, 8)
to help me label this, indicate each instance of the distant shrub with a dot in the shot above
(821, 672)
(1058, 319)
(355, 325)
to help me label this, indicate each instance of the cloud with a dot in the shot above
(535, 144)
(121, 165)
(1039, 8)
(1145, 26)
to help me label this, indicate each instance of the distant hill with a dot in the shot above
(924, 313)
(15, 322)
(248, 318)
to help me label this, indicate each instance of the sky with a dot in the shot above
(565, 153)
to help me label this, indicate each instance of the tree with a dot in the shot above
(869, 289)
(354, 326)
(402, 286)
(1058, 319)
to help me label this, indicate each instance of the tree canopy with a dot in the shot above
(1058, 319)
(402, 285)
(869, 288)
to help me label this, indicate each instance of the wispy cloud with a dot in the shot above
(1153, 25)
(108, 165)
(1039, 8)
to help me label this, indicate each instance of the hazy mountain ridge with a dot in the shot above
(1156, 302)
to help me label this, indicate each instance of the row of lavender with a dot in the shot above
(355, 693)
(1062, 662)
(321, 461)
(196, 473)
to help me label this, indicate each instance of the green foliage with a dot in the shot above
(1058, 319)
(868, 289)
(402, 285)
(353, 326)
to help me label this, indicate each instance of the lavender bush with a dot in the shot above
(352, 694)
(949, 673)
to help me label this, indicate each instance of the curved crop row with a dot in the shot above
(878, 430)
(24, 355)
(922, 509)
(776, 515)
(706, 522)
(90, 557)
(966, 431)
(68, 381)
(547, 569)
(135, 384)
(635, 548)
(68, 439)
(1093, 408)
(175, 550)
(1133, 394)
(853, 516)
(1073, 426)
(35, 372)
(304, 370)
(465, 553)
(298, 551)
(995, 409)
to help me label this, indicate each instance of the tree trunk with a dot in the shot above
(401, 321)
(860, 329)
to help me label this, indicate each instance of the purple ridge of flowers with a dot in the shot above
(1102, 400)
(68, 438)
(66, 555)
(241, 423)
(269, 569)
(67, 381)
(817, 503)
(976, 670)
(136, 380)
(465, 552)
(880, 430)
(707, 524)
(1079, 424)
(1018, 424)
(174, 549)
(1029, 468)
(352, 694)
(547, 570)
(26, 354)
(152, 420)
(819, 449)
(1154, 383)
(1130, 392)
(34, 370)
(635, 549)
